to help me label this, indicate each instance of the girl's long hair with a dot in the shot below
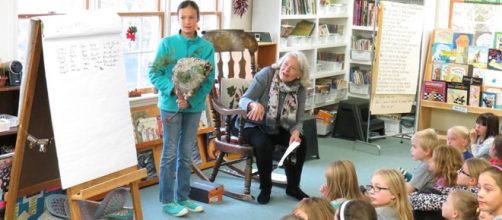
(341, 181)
(396, 184)
(447, 160)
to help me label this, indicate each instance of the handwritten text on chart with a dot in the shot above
(399, 49)
(82, 57)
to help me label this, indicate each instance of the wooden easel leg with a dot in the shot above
(136, 200)
(73, 205)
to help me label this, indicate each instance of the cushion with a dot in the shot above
(231, 90)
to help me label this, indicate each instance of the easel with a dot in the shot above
(405, 98)
(34, 169)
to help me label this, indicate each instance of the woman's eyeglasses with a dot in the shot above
(461, 170)
(375, 189)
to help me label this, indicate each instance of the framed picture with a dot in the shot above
(146, 160)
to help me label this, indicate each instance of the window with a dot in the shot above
(145, 15)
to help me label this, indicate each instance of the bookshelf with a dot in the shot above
(326, 47)
(363, 28)
(441, 115)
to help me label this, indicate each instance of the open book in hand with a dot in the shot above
(290, 149)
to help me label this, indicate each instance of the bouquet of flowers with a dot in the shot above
(188, 75)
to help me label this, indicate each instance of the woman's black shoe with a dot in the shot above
(296, 192)
(264, 196)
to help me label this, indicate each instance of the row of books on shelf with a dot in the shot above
(360, 76)
(481, 49)
(469, 92)
(296, 7)
(302, 28)
(326, 84)
(362, 43)
(364, 13)
(327, 29)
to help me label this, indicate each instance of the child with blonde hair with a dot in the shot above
(467, 179)
(490, 191)
(446, 161)
(341, 183)
(422, 145)
(458, 137)
(388, 195)
(314, 208)
(460, 205)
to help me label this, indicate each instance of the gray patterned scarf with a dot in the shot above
(289, 107)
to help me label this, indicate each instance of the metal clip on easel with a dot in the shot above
(41, 143)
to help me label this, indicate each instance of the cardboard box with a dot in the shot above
(207, 192)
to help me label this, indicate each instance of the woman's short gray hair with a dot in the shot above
(304, 66)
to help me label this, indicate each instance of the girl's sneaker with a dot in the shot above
(191, 206)
(174, 209)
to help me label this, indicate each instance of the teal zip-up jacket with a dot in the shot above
(170, 50)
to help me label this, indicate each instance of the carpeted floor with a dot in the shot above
(366, 159)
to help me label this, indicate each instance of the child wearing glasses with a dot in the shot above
(482, 135)
(388, 195)
(460, 205)
(422, 144)
(490, 191)
(341, 183)
(458, 137)
(467, 179)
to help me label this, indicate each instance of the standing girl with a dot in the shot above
(388, 194)
(179, 129)
(487, 127)
(490, 191)
(341, 183)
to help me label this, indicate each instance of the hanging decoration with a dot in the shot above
(240, 7)
(131, 33)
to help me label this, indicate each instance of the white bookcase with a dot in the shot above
(360, 58)
(269, 16)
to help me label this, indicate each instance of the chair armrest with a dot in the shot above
(224, 111)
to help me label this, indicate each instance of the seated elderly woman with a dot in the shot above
(275, 102)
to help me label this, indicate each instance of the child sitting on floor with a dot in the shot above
(388, 195)
(356, 210)
(314, 208)
(446, 161)
(460, 205)
(422, 144)
(458, 137)
(490, 191)
(496, 151)
(341, 183)
(467, 179)
(487, 127)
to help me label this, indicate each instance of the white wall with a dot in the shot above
(232, 21)
(8, 23)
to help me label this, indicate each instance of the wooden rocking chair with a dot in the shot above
(236, 45)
